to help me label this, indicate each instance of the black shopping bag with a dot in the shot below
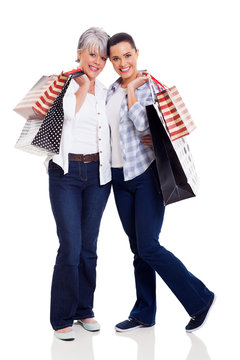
(176, 171)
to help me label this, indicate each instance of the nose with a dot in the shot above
(122, 62)
(97, 59)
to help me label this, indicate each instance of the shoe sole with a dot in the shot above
(62, 338)
(130, 329)
(82, 324)
(190, 331)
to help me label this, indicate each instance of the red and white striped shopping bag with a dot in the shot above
(42, 95)
(46, 99)
(177, 118)
(25, 106)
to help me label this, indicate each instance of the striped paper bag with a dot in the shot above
(40, 98)
(177, 118)
(46, 99)
(26, 106)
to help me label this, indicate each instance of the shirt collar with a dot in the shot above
(100, 89)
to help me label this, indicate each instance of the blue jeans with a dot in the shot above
(141, 210)
(78, 202)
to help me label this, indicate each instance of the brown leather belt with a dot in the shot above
(84, 158)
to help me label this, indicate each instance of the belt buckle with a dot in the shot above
(85, 159)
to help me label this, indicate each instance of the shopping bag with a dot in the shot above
(40, 98)
(43, 136)
(176, 170)
(25, 107)
(48, 137)
(45, 101)
(29, 131)
(177, 117)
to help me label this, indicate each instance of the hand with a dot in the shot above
(82, 80)
(147, 140)
(139, 81)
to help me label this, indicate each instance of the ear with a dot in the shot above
(79, 53)
(137, 51)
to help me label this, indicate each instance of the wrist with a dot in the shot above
(130, 88)
(84, 86)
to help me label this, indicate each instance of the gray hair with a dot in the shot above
(95, 39)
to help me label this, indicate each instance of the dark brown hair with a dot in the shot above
(120, 37)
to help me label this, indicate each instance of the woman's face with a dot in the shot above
(91, 62)
(124, 59)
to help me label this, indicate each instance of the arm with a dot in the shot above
(81, 93)
(137, 112)
(132, 86)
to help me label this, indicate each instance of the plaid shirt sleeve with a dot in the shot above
(137, 113)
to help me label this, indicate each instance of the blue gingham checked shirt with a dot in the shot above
(133, 125)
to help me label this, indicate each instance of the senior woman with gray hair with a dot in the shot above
(79, 186)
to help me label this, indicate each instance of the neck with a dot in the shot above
(91, 89)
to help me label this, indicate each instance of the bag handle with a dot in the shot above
(151, 79)
(157, 82)
(152, 89)
(74, 73)
(159, 85)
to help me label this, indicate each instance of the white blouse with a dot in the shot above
(87, 131)
(85, 128)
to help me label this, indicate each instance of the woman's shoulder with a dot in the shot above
(115, 84)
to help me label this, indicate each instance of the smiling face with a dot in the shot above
(91, 62)
(124, 59)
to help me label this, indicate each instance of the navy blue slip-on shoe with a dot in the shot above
(129, 324)
(198, 321)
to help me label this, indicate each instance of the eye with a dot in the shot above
(92, 54)
(104, 59)
(115, 59)
(128, 55)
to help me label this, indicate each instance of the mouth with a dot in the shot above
(93, 68)
(125, 69)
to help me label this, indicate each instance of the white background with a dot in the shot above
(193, 45)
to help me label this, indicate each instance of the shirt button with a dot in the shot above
(100, 164)
(100, 127)
(100, 152)
(98, 113)
(99, 139)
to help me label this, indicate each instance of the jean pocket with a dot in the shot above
(54, 168)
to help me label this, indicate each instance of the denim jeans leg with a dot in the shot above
(148, 212)
(94, 201)
(189, 290)
(68, 201)
(144, 309)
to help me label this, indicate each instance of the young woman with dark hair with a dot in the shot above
(138, 195)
